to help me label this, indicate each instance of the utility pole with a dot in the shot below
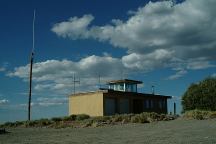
(30, 74)
(174, 108)
(74, 83)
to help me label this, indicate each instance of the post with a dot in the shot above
(30, 86)
(74, 83)
(174, 108)
(31, 65)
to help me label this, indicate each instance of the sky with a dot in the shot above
(168, 44)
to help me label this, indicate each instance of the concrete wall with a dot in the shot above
(86, 103)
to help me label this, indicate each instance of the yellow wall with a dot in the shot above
(86, 103)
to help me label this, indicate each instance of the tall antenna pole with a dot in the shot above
(30, 74)
(74, 83)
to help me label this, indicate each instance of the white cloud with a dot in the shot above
(47, 102)
(149, 61)
(3, 101)
(214, 75)
(185, 27)
(184, 31)
(2, 69)
(74, 28)
(51, 101)
(177, 75)
(199, 63)
(57, 75)
(157, 35)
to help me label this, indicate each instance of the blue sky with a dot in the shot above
(169, 44)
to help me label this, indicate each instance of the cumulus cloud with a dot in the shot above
(177, 75)
(214, 75)
(47, 102)
(2, 69)
(149, 61)
(162, 34)
(183, 31)
(57, 75)
(3, 101)
(74, 28)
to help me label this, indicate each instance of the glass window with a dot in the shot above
(110, 106)
(161, 104)
(111, 86)
(147, 103)
(121, 87)
(124, 106)
(152, 103)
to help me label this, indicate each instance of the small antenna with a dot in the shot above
(153, 89)
(99, 81)
(31, 66)
(74, 83)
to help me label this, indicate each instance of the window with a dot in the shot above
(147, 104)
(160, 104)
(110, 106)
(121, 87)
(152, 103)
(111, 87)
(124, 106)
(131, 87)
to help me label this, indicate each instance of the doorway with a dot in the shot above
(137, 106)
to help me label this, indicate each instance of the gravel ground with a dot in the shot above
(166, 132)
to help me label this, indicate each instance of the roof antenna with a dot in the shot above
(74, 83)
(153, 89)
(31, 65)
(99, 81)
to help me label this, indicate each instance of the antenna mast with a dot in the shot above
(74, 83)
(31, 65)
(99, 81)
(153, 89)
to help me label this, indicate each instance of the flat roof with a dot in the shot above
(125, 81)
(120, 93)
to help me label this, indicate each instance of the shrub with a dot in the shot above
(200, 96)
(44, 122)
(8, 124)
(56, 119)
(30, 123)
(135, 119)
(69, 118)
(101, 119)
(197, 114)
(117, 118)
(124, 118)
(212, 114)
(81, 117)
(18, 123)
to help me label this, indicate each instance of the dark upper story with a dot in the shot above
(124, 85)
(119, 87)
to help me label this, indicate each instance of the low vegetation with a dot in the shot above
(199, 114)
(83, 120)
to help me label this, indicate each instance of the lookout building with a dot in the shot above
(121, 97)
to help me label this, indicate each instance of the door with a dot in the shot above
(137, 106)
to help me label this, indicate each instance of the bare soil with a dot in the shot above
(164, 132)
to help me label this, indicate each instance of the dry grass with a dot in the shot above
(84, 120)
(199, 114)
